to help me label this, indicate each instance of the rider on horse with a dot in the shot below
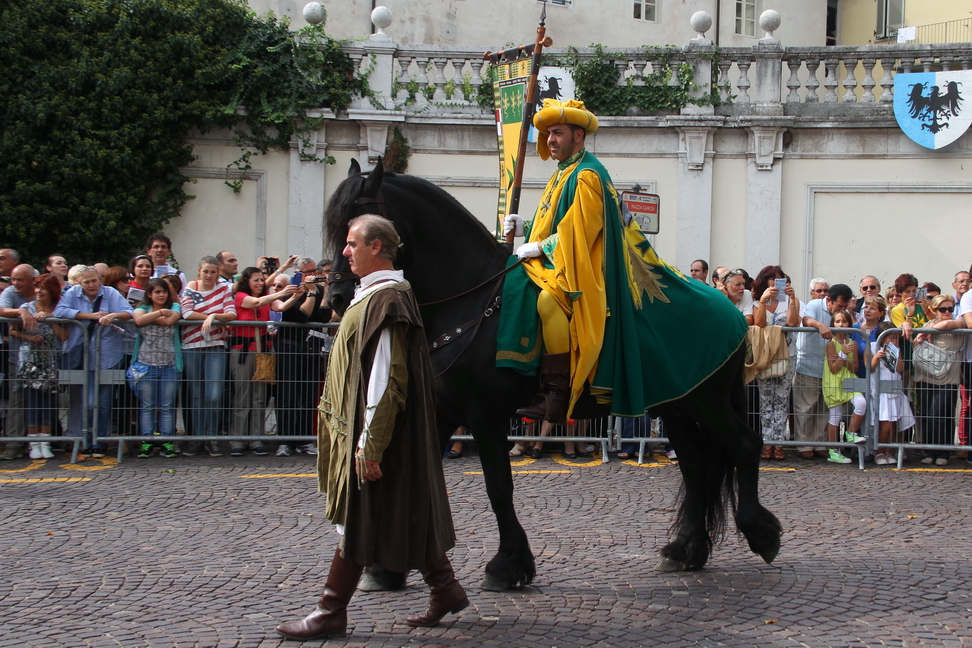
(579, 293)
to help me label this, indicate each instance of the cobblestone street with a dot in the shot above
(215, 552)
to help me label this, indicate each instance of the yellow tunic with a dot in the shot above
(572, 268)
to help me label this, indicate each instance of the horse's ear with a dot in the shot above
(354, 169)
(373, 183)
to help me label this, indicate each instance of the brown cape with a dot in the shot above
(401, 521)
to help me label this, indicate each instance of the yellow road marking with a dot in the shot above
(521, 472)
(779, 469)
(37, 480)
(34, 465)
(965, 470)
(278, 475)
(106, 463)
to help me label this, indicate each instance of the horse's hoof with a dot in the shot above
(770, 556)
(382, 581)
(493, 583)
(668, 565)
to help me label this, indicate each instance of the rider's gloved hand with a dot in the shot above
(528, 251)
(513, 223)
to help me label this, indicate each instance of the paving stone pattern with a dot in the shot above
(142, 557)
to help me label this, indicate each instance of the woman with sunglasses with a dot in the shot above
(936, 395)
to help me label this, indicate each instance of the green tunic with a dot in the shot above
(401, 521)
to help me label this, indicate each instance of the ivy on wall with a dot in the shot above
(596, 81)
(98, 98)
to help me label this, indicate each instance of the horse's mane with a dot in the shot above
(341, 207)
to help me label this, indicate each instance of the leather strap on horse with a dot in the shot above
(492, 305)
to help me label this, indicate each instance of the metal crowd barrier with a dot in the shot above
(41, 395)
(925, 397)
(218, 400)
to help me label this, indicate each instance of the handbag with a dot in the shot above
(933, 361)
(777, 369)
(135, 372)
(265, 369)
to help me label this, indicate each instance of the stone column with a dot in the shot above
(305, 211)
(694, 218)
(764, 196)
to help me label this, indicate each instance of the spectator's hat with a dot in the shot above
(561, 112)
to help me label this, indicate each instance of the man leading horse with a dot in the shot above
(580, 294)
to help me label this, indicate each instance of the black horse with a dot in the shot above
(450, 259)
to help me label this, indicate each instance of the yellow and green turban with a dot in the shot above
(561, 112)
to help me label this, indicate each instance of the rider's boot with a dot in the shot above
(550, 403)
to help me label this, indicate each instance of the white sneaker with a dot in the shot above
(941, 461)
(308, 448)
(283, 450)
(35, 451)
(45, 448)
(671, 455)
(927, 460)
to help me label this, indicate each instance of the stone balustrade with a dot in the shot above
(777, 79)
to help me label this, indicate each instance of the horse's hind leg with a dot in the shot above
(692, 544)
(727, 425)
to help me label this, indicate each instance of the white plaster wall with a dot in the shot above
(886, 234)
(728, 215)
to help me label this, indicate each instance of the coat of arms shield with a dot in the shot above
(929, 106)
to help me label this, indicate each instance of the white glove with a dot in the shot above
(528, 251)
(513, 221)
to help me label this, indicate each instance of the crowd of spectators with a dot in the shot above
(169, 335)
(183, 365)
(807, 398)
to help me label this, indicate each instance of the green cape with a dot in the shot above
(653, 352)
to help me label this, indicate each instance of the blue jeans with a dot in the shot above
(103, 405)
(157, 391)
(206, 373)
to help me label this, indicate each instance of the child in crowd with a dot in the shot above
(842, 363)
(157, 365)
(892, 408)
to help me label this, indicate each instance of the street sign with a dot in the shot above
(643, 207)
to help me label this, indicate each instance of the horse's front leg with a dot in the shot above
(513, 565)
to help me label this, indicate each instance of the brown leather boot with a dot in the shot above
(447, 594)
(550, 403)
(330, 618)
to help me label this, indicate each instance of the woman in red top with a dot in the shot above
(142, 268)
(249, 400)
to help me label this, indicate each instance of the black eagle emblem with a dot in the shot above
(934, 110)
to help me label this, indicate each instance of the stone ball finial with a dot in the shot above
(701, 22)
(769, 21)
(314, 13)
(381, 17)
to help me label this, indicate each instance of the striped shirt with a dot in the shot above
(218, 300)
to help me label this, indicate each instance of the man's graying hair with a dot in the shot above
(378, 227)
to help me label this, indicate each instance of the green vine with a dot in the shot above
(397, 153)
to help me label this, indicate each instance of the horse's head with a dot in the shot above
(358, 194)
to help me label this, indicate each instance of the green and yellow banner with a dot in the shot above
(509, 93)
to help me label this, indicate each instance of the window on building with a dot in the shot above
(645, 9)
(746, 17)
(890, 16)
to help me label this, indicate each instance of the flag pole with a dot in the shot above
(536, 49)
